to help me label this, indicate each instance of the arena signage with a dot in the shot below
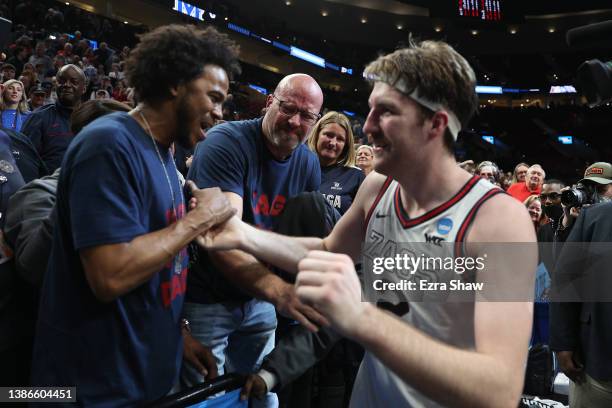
(188, 10)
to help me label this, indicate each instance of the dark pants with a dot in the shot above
(16, 363)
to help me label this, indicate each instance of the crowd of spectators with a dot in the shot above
(41, 46)
(39, 49)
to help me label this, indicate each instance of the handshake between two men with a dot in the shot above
(329, 293)
(326, 282)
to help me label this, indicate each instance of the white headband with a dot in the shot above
(454, 125)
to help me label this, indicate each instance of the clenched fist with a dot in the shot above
(329, 283)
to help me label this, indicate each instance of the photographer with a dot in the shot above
(595, 187)
(581, 332)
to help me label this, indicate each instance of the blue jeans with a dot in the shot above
(239, 335)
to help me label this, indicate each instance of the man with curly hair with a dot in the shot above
(111, 301)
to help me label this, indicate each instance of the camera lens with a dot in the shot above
(573, 198)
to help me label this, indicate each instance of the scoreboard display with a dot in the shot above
(485, 10)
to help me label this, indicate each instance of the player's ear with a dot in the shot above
(439, 123)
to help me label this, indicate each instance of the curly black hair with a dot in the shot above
(174, 54)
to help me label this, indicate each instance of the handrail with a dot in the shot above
(200, 392)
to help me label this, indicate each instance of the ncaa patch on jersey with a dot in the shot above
(444, 226)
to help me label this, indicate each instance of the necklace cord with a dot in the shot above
(177, 258)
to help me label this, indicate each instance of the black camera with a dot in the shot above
(594, 77)
(580, 195)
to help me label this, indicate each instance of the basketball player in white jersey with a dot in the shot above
(437, 354)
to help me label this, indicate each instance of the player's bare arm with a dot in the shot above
(285, 252)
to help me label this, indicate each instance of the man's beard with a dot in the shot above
(284, 139)
(554, 212)
(67, 101)
(183, 122)
(600, 198)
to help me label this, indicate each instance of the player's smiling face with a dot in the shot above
(395, 128)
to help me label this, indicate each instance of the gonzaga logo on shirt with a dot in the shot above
(336, 186)
(333, 200)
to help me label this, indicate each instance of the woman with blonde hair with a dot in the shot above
(534, 206)
(331, 138)
(13, 105)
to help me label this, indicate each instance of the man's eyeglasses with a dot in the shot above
(552, 196)
(290, 109)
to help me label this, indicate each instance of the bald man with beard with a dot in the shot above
(259, 164)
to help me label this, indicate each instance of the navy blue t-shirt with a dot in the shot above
(112, 189)
(235, 158)
(339, 185)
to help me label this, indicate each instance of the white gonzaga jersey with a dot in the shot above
(388, 230)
